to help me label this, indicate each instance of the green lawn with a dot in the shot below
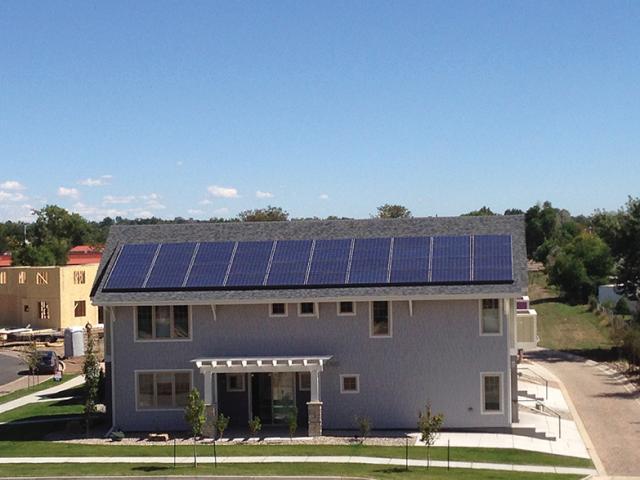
(487, 455)
(40, 410)
(28, 391)
(381, 472)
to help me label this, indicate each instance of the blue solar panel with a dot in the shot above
(492, 258)
(410, 260)
(330, 262)
(171, 265)
(132, 266)
(370, 261)
(210, 265)
(249, 265)
(289, 264)
(451, 259)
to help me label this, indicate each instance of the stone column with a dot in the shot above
(210, 413)
(315, 418)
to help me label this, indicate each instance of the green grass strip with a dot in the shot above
(378, 472)
(486, 455)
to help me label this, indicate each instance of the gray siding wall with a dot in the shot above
(434, 356)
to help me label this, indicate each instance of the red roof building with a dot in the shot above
(80, 255)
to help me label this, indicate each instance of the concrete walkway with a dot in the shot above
(41, 396)
(304, 459)
(608, 407)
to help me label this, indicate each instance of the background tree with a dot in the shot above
(269, 214)
(91, 371)
(626, 247)
(580, 266)
(513, 211)
(482, 212)
(393, 211)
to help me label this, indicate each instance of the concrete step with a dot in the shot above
(532, 396)
(531, 432)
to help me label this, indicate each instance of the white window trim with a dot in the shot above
(244, 383)
(501, 397)
(313, 314)
(300, 382)
(356, 376)
(153, 326)
(390, 334)
(500, 321)
(347, 314)
(166, 370)
(280, 315)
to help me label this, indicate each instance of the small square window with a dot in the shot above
(304, 381)
(349, 383)
(346, 308)
(79, 308)
(306, 309)
(235, 382)
(278, 310)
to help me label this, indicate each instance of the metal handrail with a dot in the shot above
(557, 415)
(546, 382)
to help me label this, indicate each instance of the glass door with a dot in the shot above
(283, 396)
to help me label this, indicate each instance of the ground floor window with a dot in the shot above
(162, 390)
(491, 392)
(349, 383)
(304, 381)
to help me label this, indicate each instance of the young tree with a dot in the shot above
(194, 412)
(255, 425)
(222, 423)
(393, 211)
(91, 371)
(292, 421)
(29, 356)
(364, 426)
(622, 307)
(429, 426)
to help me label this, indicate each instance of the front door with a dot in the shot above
(273, 396)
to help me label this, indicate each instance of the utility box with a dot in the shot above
(73, 342)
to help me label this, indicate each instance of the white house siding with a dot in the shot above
(434, 356)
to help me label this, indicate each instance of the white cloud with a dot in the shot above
(221, 211)
(11, 197)
(17, 213)
(96, 182)
(222, 192)
(117, 200)
(261, 194)
(152, 201)
(194, 211)
(68, 192)
(323, 196)
(12, 185)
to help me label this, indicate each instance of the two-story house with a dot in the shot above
(339, 319)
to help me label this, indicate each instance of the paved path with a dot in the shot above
(304, 459)
(10, 365)
(41, 396)
(609, 409)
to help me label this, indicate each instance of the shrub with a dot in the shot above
(255, 425)
(116, 436)
(194, 413)
(593, 303)
(429, 425)
(622, 307)
(364, 426)
(222, 423)
(630, 345)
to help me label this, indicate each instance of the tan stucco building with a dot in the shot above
(47, 297)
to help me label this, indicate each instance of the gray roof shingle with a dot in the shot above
(313, 229)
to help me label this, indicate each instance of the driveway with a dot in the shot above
(610, 412)
(10, 365)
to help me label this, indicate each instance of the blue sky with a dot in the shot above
(324, 108)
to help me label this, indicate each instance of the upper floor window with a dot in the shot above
(22, 277)
(491, 392)
(346, 308)
(490, 318)
(3, 278)
(163, 322)
(380, 319)
(79, 277)
(162, 390)
(79, 308)
(278, 310)
(306, 309)
(350, 383)
(42, 278)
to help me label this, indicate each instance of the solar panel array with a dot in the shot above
(313, 263)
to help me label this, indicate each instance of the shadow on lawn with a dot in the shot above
(151, 468)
